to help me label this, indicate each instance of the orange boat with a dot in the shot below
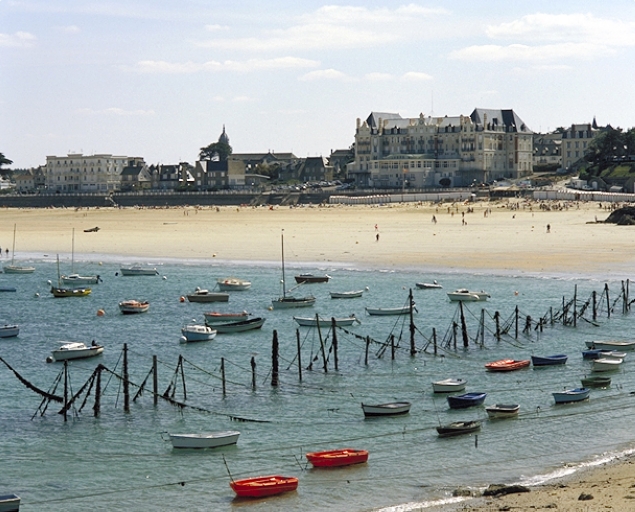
(261, 486)
(334, 458)
(507, 365)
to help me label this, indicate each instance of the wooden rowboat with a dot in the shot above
(402, 310)
(448, 385)
(554, 360)
(210, 440)
(335, 458)
(466, 400)
(261, 486)
(571, 395)
(347, 295)
(596, 381)
(130, 307)
(611, 345)
(240, 325)
(215, 316)
(9, 503)
(507, 365)
(501, 411)
(458, 428)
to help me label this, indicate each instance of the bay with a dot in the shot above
(122, 461)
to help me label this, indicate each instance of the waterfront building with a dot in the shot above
(396, 152)
(83, 173)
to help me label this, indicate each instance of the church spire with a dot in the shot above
(223, 137)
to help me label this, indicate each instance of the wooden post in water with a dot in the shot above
(595, 306)
(297, 337)
(454, 328)
(367, 345)
(324, 363)
(575, 306)
(155, 381)
(253, 373)
(97, 406)
(434, 340)
(564, 312)
(183, 377)
(623, 299)
(274, 359)
(126, 382)
(392, 347)
(516, 322)
(334, 331)
(628, 295)
(222, 375)
(482, 327)
(608, 302)
(551, 315)
(498, 325)
(65, 388)
(413, 349)
(463, 327)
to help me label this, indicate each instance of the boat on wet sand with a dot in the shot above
(507, 365)
(596, 381)
(449, 385)
(458, 428)
(571, 395)
(502, 411)
(387, 409)
(466, 400)
(204, 440)
(555, 360)
(262, 486)
(337, 458)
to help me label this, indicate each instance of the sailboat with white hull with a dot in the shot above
(74, 279)
(13, 268)
(288, 301)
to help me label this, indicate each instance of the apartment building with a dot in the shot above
(394, 152)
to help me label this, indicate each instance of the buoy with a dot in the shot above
(100, 312)
(49, 359)
(270, 308)
(49, 283)
(367, 288)
(165, 277)
(181, 299)
(183, 339)
(516, 292)
(100, 263)
(37, 294)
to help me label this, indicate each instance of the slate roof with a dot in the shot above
(507, 118)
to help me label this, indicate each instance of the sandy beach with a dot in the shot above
(508, 236)
(505, 236)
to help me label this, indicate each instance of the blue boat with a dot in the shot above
(466, 400)
(571, 395)
(592, 353)
(555, 360)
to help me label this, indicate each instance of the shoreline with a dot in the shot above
(511, 241)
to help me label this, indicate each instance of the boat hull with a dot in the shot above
(202, 441)
(596, 382)
(324, 322)
(70, 292)
(76, 351)
(388, 409)
(9, 503)
(263, 486)
(337, 458)
(458, 428)
(502, 411)
(466, 400)
(293, 302)
(449, 385)
(428, 286)
(208, 297)
(606, 364)
(15, 269)
(133, 307)
(571, 395)
(507, 365)
(9, 331)
(389, 311)
(347, 295)
(240, 326)
(133, 271)
(224, 317)
(192, 333)
(555, 360)
(626, 346)
(468, 296)
(232, 284)
(311, 279)
(75, 279)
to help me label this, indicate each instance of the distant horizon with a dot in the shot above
(160, 80)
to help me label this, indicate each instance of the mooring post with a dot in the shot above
(274, 359)
(498, 325)
(463, 327)
(551, 315)
(392, 347)
(623, 299)
(434, 340)
(126, 382)
(222, 375)
(253, 373)
(155, 380)
(595, 306)
(182, 377)
(65, 388)
(516, 322)
(366, 355)
(97, 406)
(413, 350)
(628, 295)
(324, 362)
(334, 331)
(608, 302)
(575, 305)
(454, 328)
(297, 336)
(482, 327)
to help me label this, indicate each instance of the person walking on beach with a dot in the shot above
(377, 237)
(548, 228)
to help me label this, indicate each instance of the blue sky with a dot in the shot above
(158, 79)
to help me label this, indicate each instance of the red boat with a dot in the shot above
(507, 365)
(261, 486)
(334, 458)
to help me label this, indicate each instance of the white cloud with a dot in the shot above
(416, 76)
(115, 111)
(17, 40)
(68, 29)
(551, 37)
(324, 74)
(159, 66)
(340, 27)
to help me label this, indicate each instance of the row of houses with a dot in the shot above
(388, 152)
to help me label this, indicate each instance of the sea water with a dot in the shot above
(123, 461)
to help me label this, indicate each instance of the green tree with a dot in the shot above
(4, 160)
(607, 145)
(220, 150)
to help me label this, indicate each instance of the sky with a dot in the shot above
(159, 79)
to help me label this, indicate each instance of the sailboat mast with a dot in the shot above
(284, 291)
